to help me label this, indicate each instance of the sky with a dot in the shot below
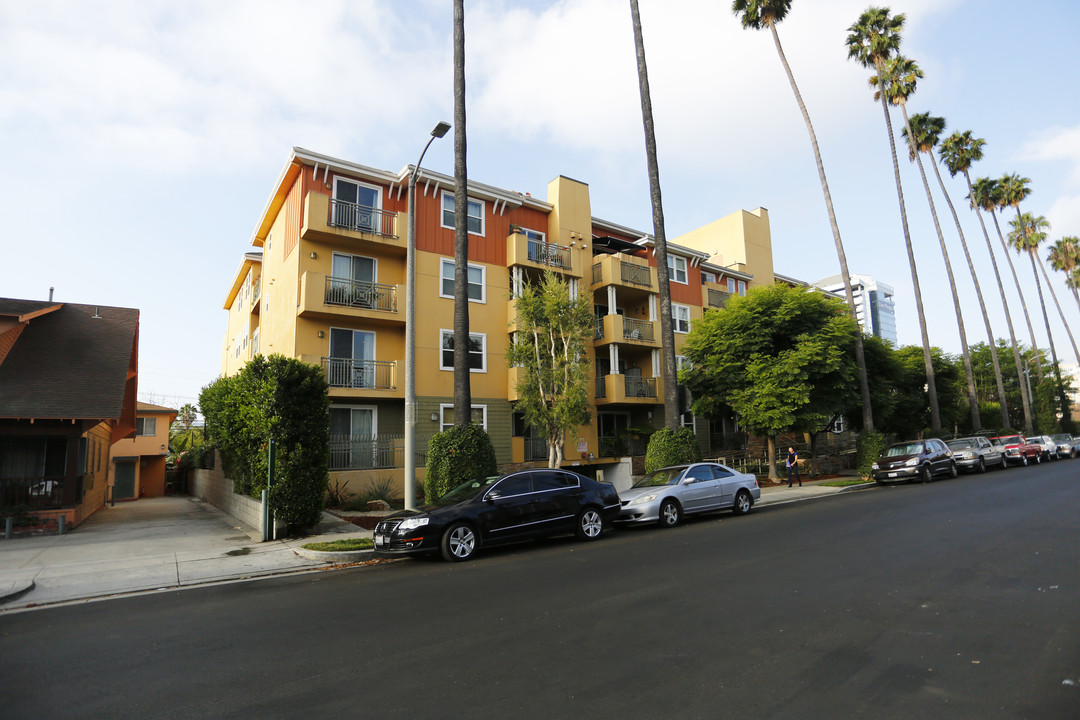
(143, 137)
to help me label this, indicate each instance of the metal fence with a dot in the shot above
(359, 374)
(360, 294)
(34, 493)
(370, 452)
(717, 298)
(641, 387)
(621, 446)
(361, 218)
(636, 274)
(549, 254)
(637, 330)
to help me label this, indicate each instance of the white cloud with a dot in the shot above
(1055, 144)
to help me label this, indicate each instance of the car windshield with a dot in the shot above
(959, 444)
(903, 449)
(1007, 440)
(466, 490)
(663, 476)
(1062, 438)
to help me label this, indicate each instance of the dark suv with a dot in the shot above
(922, 459)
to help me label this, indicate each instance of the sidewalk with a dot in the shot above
(151, 544)
(175, 542)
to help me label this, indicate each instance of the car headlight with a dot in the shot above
(912, 462)
(874, 467)
(965, 455)
(642, 499)
(412, 523)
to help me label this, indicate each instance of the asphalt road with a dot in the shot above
(958, 599)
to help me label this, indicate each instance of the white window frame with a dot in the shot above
(483, 350)
(443, 407)
(742, 287)
(152, 422)
(536, 235)
(673, 262)
(676, 308)
(374, 416)
(731, 286)
(378, 189)
(447, 262)
(707, 276)
(442, 212)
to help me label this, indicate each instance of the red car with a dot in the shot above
(1018, 450)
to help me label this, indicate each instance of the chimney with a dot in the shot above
(50, 293)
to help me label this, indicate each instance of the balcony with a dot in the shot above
(622, 329)
(348, 225)
(514, 376)
(716, 298)
(627, 389)
(353, 374)
(530, 252)
(325, 297)
(623, 272)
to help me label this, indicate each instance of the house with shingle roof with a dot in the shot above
(68, 383)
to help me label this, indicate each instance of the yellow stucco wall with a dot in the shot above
(741, 238)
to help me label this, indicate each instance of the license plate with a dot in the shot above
(893, 474)
(382, 541)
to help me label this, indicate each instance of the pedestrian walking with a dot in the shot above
(793, 466)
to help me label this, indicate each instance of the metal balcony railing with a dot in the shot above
(620, 446)
(636, 274)
(718, 298)
(638, 330)
(359, 374)
(360, 294)
(256, 288)
(598, 329)
(361, 218)
(549, 254)
(597, 273)
(601, 387)
(640, 387)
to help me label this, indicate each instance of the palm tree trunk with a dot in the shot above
(860, 356)
(462, 388)
(982, 303)
(1066, 412)
(667, 332)
(1046, 316)
(1023, 303)
(1026, 400)
(931, 387)
(973, 399)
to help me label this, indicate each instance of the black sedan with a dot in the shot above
(507, 508)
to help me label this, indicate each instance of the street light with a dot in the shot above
(410, 327)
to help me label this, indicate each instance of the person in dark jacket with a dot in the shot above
(793, 466)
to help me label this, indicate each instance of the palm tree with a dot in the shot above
(757, 14)
(462, 377)
(1013, 189)
(872, 40)
(990, 196)
(1065, 256)
(667, 332)
(1027, 234)
(922, 133)
(958, 152)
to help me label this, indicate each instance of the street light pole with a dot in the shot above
(410, 327)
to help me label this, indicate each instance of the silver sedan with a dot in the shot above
(666, 495)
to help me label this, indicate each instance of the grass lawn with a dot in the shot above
(845, 483)
(346, 545)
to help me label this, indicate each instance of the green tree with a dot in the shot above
(282, 400)
(552, 336)
(1064, 255)
(958, 152)
(667, 330)
(922, 133)
(872, 41)
(781, 357)
(758, 14)
(1009, 191)
(181, 435)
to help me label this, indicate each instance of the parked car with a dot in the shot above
(664, 496)
(1018, 450)
(1066, 445)
(501, 509)
(922, 459)
(976, 454)
(1048, 445)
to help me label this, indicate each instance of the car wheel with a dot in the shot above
(743, 503)
(590, 526)
(982, 465)
(1038, 458)
(924, 474)
(952, 469)
(1004, 463)
(1024, 459)
(458, 543)
(670, 514)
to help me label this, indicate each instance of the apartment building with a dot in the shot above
(324, 282)
(875, 307)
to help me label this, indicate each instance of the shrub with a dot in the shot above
(377, 489)
(671, 446)
(459, 454)
(869, 446)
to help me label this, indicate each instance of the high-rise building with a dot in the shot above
(874, 305)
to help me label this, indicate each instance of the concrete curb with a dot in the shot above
(335, 557)
(15, 590)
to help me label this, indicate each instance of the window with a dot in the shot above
(446, 416)
(677, 269)
(680, 318)
(354, 439)
(475, 212)
(708, 277)
(351, 362)
(145, 426)
(731, 285)
(742, 287)
(477, 353)
(533, 234)
(511, 486)
(355, 205)
(476, 281)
